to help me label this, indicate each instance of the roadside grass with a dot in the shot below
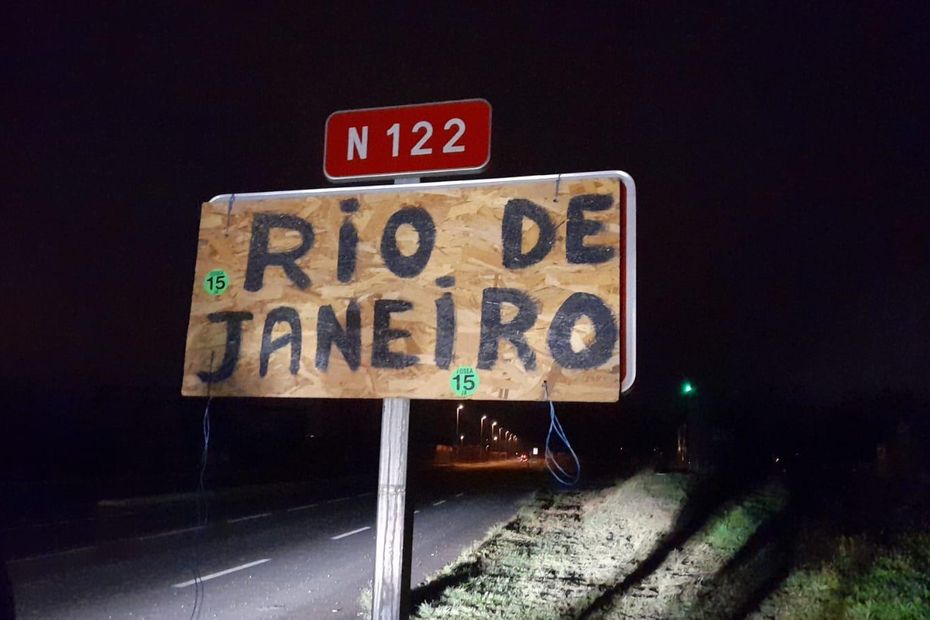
(858, 579)
(561, 551)
(656, 546)
(897, 585)
(730, 528)
(364, 602)
(713, 571)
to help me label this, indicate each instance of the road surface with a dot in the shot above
(306, 561)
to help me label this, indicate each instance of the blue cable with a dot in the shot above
(562, 476)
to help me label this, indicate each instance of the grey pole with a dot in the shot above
(391, 582)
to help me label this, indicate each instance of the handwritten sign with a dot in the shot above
(385, 291)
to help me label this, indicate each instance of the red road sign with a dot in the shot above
(410, 140)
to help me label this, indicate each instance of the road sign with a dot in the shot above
(387, 291)
(412, 140)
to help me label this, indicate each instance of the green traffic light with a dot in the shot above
(687, 388)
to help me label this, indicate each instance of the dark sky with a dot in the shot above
(779, 151)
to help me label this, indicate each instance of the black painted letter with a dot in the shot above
(445, 330)
(269, 346)
(233, 322)
(260, 257)
(492, 330)
(408, 266)
(329, 332)
(381, 354)
(348, 242)
(512, 233)
(560, 332)
(578, 228)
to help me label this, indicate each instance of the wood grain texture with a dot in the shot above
(468, 247)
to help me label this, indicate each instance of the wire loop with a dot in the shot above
(557, 471)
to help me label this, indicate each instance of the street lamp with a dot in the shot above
(689, 456)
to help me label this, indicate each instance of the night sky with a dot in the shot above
(779, 151)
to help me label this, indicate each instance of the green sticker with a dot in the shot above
(216, 282)
(464, 381)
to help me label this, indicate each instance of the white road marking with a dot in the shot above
(249, 518)
(416, 512)
(48, 524)
(460, 494)
(171, 532)
(361, 529)
(439, 503)
(53, 554)
(329, 501)
(184, 584)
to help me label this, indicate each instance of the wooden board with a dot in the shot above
(283, 255)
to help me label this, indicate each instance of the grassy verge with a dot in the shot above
(663, 547)
(708, 568)
(559, 554)
(857, 578)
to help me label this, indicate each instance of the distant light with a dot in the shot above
(535, 451)
(687, 388)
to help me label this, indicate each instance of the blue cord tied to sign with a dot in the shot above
(557, 471)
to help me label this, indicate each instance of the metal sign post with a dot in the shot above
(392, 566)
(391, 583)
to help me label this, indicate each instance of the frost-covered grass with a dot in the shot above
(561, 552)
(695, 575)
(655, 547)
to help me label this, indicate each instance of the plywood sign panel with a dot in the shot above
(393, 291)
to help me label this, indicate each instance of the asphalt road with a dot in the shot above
(305, 561)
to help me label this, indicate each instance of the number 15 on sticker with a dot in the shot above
(464, 381)
(216, 282)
